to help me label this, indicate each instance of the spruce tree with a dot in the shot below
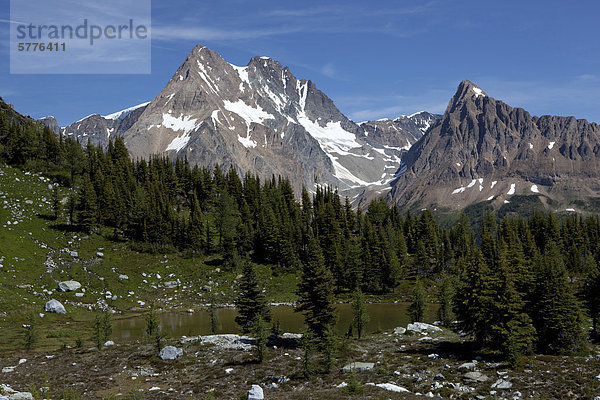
(360, 317)
(445, 299)
(557, 313)
(315, 293)
(418, 307)
(592, 293)
(251, 302)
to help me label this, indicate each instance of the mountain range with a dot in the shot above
(262, 119)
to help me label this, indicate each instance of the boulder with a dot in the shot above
(55, 306)
(68, 286)
(99, 254)
(419, 327)
(171, 284)
(466, 366)
(7, 370)
(475, 377)
(502, 384)
(358, 367)
(109, 343)
(400, 330)
(256, 393)
(123, 277)
(170, 353)
(21, 396)
(73, 253)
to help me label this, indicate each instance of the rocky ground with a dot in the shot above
(390, 365)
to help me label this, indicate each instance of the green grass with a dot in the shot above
(24, 277)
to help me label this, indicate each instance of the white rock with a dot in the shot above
(256, 393)
(55, 306)
(21, 396)
(170, 353)
(7, 370)
(421, 326)
(123, 277)
(109, 343)
(502, 384)
(68, 286)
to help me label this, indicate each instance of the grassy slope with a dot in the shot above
(24, 278)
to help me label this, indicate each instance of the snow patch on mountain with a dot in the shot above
(124, 113)
(182, 123)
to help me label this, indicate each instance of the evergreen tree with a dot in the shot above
(445, 299)
(360, 317)
(315, 293)
(251, 301)
(418, 307)
(557, 312)
(87, 206)
(592, 293)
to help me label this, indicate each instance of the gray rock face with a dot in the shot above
(484, 150)
(170, 353)
(99, 129)
(51, 123)
(255, 393)
(259, 118)
(55, 306)
(68, 286)
(475, 377)
(358, 367)
(401, 132)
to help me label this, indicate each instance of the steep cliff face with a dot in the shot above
(484, 150)
(261, 119)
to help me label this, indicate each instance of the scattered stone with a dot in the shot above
(228, 371)
(399, 330)
(391, 387)
(170, 353)
(502, 384)
(466, 366)
(475, 377)
(55, 306)
(7, 370)
(22, 361)
(99, 254)
(171, 284)
(73, 253)
(358, 367)
(418, 327)
(439, 377)
(109, 343)
(21, 396)
(227, 341)
(123, 277)
(256, 393)
(68, 286)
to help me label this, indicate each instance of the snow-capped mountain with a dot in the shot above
(258, 118)
(483, 150)
(401, 132)
(99, 129)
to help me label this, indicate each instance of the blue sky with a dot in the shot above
(375, 59)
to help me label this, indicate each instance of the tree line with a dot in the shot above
(516, 285)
